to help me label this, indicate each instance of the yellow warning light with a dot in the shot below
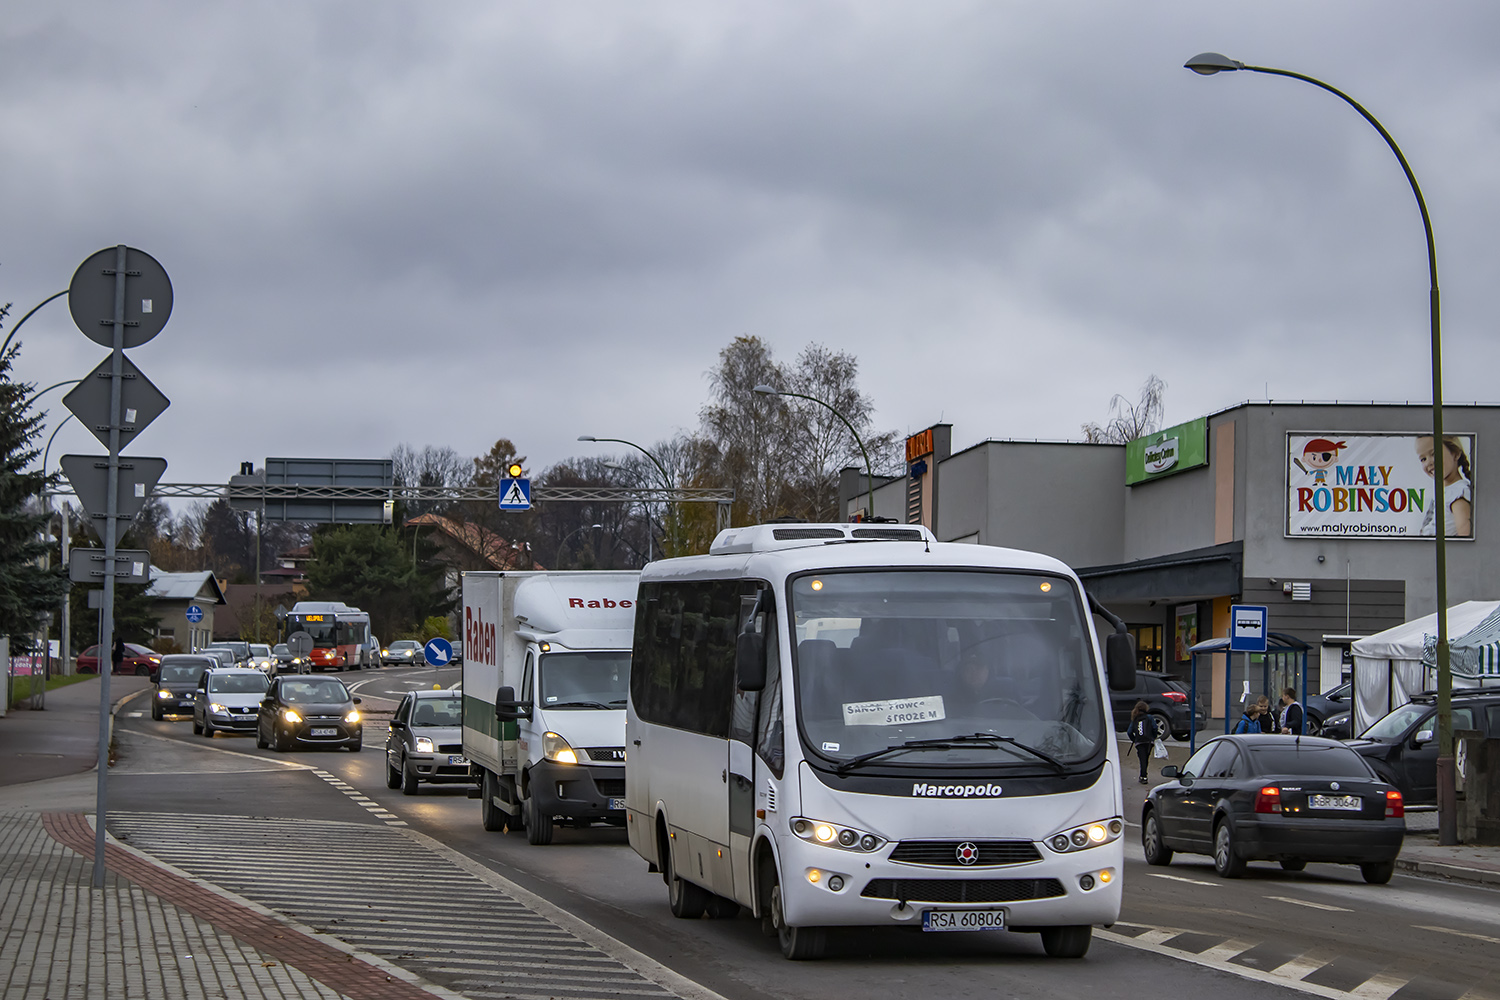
(514, 470)
(1046, 587)
(817, 585)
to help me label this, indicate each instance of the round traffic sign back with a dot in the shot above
(148, 297)
(300, 643)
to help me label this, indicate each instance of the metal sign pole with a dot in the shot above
(107, 626)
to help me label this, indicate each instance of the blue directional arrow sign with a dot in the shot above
(194, 614)
(515, 494)
(439, 652)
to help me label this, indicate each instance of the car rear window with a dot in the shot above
(1334, 762)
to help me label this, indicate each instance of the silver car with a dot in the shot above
(228, 700)
(405, 652)
(426, 741)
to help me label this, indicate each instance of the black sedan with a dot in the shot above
(1276, 798)
(177, 682)
(308, 712)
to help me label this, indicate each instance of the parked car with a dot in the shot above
(1322, 707)
(426, 742)
(1167, 700)
(227, 699)
(177, 680)
(1270, 798)
(261, 658)
(1338, 727)
(138, 660)
(306, 712)
(406, 652)
(1403, 746)
(241, 650)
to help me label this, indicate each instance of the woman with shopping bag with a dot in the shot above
(1143, 735)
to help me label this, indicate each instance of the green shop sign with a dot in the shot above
(1164, 452)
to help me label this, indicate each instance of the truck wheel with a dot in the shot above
(1067, 942)
(687, 900)
(538, 826)
(491, 817)
(408, 777)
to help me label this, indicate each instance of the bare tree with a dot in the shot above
(753, 434)
(1128, 421)
(433, 465)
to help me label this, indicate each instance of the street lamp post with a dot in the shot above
(557, 563)
(29, 313)
(666, 479)
(1209, 63)
(767, 390)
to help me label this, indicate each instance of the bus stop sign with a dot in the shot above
(1247, 628)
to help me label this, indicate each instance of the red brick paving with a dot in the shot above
(335, 969)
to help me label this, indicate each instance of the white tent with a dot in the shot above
(1388, 667)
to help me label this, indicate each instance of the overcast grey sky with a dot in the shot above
(443, 223)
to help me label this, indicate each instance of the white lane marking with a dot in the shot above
(1179, 878)
(135, 715)
(1465, 934)
(1220, 965)
(1378, 987)
(360, 799)
(1227, 950)
(1315, 906)
(1302, 965)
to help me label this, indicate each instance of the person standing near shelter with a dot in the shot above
(1142, 733)
(1249, 720)
(1291, 713)
(1264, 715)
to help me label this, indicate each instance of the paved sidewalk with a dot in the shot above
(63, 738)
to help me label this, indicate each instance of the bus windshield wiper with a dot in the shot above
(949, 743)
(582, 704)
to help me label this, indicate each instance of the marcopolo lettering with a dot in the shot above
(603, 602)
(923, 790)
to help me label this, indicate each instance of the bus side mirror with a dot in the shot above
(507, 709)
(750, 660)
(1119, 660)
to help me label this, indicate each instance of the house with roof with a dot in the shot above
(171, 595)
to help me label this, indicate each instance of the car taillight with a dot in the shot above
(1268, 800)
(1394, 805)
(1176, 697)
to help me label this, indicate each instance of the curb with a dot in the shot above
(1447, 872)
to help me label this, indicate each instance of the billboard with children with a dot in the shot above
(1378, 485)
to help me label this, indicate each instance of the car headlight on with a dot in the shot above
(554, 747)
(164, 694)
(353, 716)
(217, 709)
(290, 715)
(424, 745)
(832, 835)
(1081, 838)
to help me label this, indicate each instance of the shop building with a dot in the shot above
(1321, 512)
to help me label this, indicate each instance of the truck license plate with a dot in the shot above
(1351, 802)
(617, 803)
(456, 758)
(323, 732)
(963, 920)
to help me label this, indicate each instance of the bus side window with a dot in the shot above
(769, 735)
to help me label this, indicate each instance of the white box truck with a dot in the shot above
(546, 673)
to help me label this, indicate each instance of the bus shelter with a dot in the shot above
(1282, 665)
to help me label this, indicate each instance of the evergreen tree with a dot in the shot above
(26, 590)
(371, 567)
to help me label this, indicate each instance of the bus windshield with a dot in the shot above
(593, 680)
(320, 627)
(942, 667)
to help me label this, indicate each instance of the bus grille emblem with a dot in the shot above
(967, 853)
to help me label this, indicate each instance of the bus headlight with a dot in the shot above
(1081, 838)
(833, 835)
(554, 747)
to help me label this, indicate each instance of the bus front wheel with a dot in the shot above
(797, 943)
(1067, 942)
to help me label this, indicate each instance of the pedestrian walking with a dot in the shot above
(1142, 733)
(1265, 716)
(117, 655)
(1249, 720)
(1291, 713)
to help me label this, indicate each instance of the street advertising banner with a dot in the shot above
(1378, 485)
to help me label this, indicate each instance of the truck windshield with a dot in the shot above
(592, 680)
(941, 667)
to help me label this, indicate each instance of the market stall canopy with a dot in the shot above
(1476, 653)
(1389, 666)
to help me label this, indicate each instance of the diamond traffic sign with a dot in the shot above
(131, 566)
(140, 401)
(89, 475)
(148, 297)
(515, 494)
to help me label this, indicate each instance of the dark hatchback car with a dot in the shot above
(1403, 746)
(1166, 698)
(1330, 704)
(308, 712)
(177, 682)
(1276, 798)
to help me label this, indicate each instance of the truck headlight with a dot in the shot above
(554, 747)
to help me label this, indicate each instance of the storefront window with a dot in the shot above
(1147, 646)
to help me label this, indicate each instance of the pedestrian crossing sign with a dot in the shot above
(515, 494)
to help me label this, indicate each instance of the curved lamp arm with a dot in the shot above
(766, 390)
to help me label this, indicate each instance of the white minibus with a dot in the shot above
(855, 725)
